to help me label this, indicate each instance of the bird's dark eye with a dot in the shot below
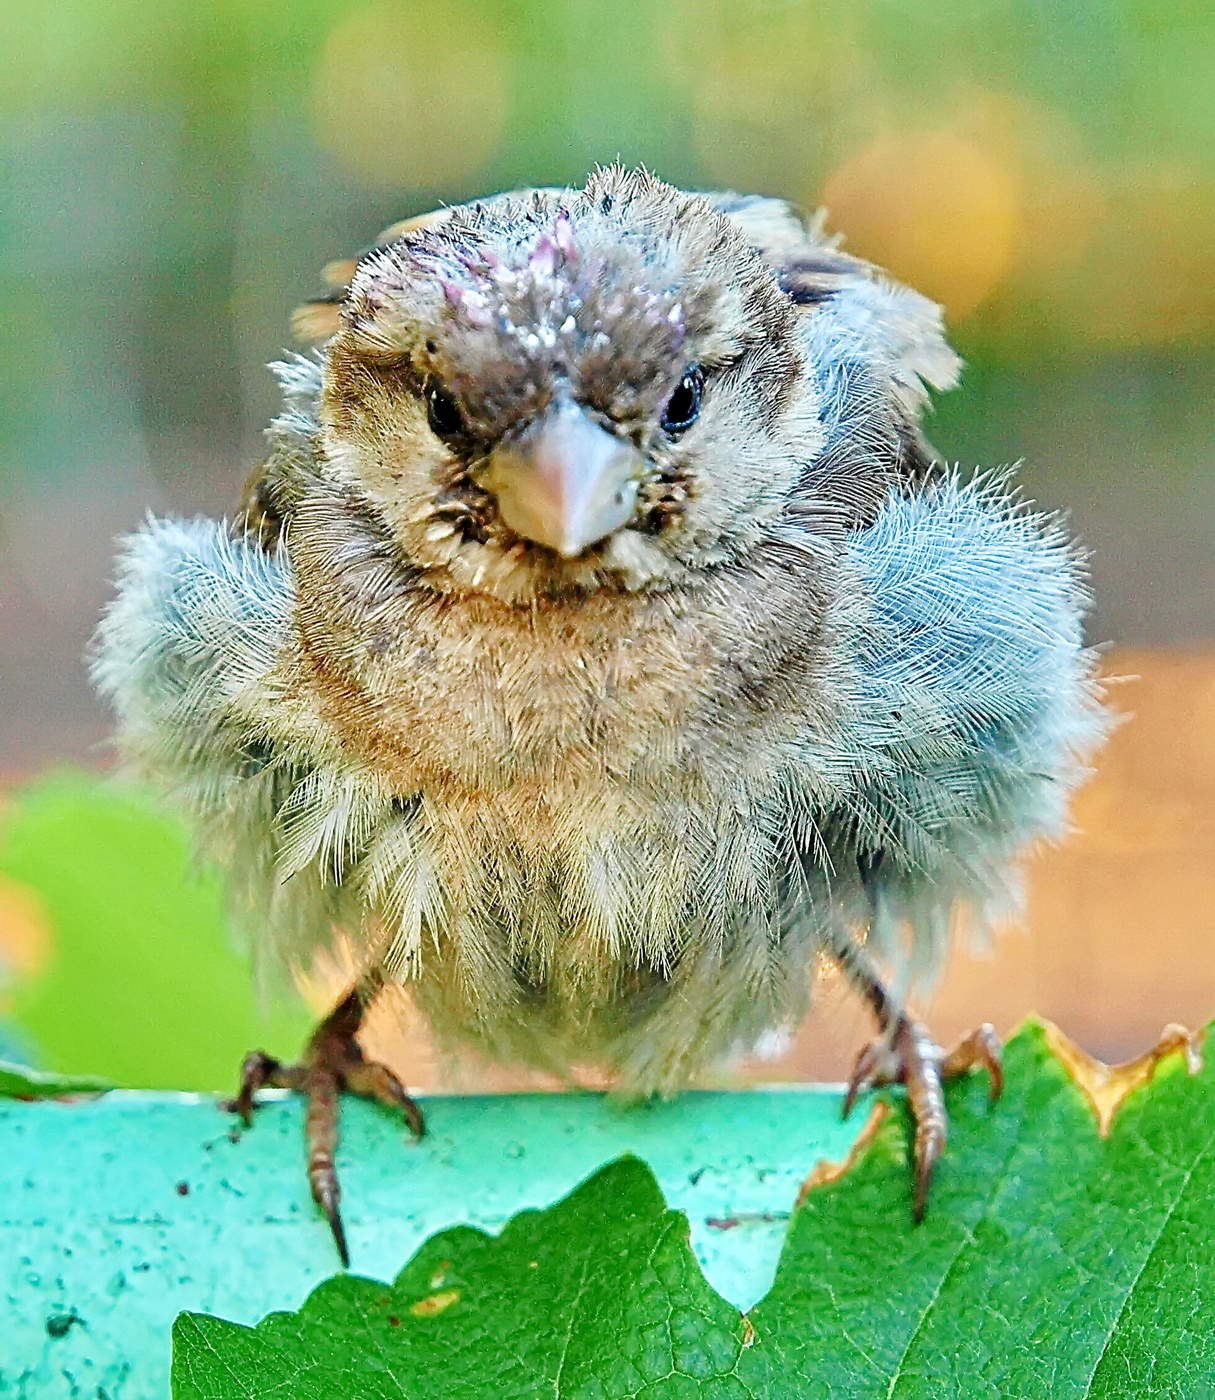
(683, 407)
(442, 412)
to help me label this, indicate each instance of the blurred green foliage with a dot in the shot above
(19, 1081)
(134, 977)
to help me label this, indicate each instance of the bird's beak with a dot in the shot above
(564, 482)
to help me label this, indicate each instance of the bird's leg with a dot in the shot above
(332, 1064)
(904, 1053)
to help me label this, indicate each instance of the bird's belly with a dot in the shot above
(592, 933)
(592, 810)
(568, 874)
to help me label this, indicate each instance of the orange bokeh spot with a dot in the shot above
(26, 938)
(938, 208)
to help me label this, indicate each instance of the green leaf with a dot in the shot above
(600, 1295)
(1054, 1263)
(1040, 1253)
(21, 1082)
(142, 982)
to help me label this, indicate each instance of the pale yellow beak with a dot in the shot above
(564, 482)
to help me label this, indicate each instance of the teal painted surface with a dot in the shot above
(118, 1212)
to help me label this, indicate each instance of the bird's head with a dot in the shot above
(567, 390)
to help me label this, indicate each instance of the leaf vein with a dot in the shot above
(1149, 1255)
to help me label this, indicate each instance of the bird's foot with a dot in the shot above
(333, 1064)
(907, 1055)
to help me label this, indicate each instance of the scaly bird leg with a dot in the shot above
(332, 1064)
(904, 1053)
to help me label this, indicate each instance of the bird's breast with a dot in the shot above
(469, 700)
(587, 791)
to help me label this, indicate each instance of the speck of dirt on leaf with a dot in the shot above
(436, 1303)
(393, 1320)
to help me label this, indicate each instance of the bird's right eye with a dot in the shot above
(683, 407)
(442, 412)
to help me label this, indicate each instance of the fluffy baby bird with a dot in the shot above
(599, 648)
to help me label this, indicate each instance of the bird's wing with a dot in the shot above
(973, 712)
(880, 347)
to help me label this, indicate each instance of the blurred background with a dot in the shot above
(172, 178)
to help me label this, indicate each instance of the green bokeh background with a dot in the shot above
(139, 981)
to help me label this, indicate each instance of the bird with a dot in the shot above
(602, 650)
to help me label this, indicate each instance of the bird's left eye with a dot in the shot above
(683, 407)
(442, 412)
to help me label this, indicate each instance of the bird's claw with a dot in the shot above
(907, 1055)
(256, 1071)
(333, 1064)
